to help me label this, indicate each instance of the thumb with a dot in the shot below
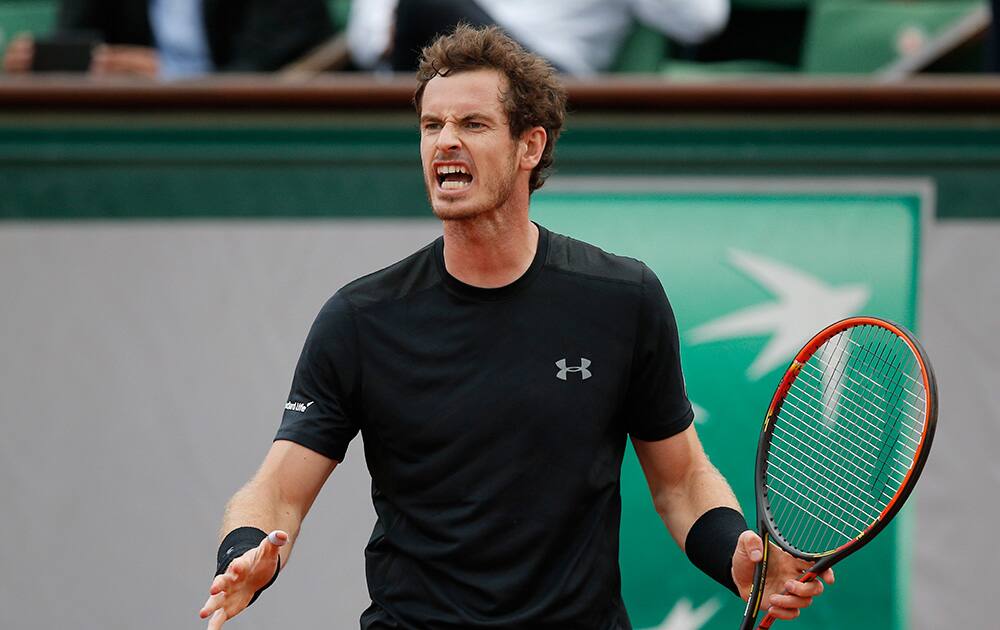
(277, 538)
(751, 546)
(261, 565)
(749, 551)
(268, 549)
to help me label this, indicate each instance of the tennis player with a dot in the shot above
(495, 375)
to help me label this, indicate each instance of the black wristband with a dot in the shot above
(711, 542)
(235, 544)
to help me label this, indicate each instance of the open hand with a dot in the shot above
(232, 591)
(141, 61)
(19, 54)
(784, 596)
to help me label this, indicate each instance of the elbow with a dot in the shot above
(711, 19)
(677, 493)
(665, 500)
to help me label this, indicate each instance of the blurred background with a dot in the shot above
(183, 183)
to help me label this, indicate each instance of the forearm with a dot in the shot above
(259, 504)
(277, 498)
(696, 504)
(699, 490)
(280, 494)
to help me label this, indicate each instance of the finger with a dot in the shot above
(130, 60)
(783, 613)
(218, 584)
(113, 62)
(827, 576)
(19, 55)
(99, 59)
(14, 64)
(229, 580)
(237, 569)
(251, 569)
(217, 619)
(804, 589)
(139, 64)
(212, 604)
(803, 565)
(789, 601)
(110, 60)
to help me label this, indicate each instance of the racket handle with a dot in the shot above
(769, 618)
(756, 591)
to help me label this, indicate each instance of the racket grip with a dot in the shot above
(769, 618)
(756, 592)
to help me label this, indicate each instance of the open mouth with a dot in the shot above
(453, 177)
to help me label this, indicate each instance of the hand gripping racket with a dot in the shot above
(843, 443)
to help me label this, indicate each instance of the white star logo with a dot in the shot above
(804, 305)
(700, 413)
(684, 617)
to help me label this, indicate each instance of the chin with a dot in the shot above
(455, 212)
(457, 209)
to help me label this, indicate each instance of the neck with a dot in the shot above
(491, 250)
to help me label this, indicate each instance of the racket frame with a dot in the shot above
(767, 528)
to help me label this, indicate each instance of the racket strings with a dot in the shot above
(859, 424)
(867, 456)
(844, 438)
(847, 523)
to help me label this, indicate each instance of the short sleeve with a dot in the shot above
(657, 404)
(321, 412)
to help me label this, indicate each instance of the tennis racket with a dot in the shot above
(843, 442)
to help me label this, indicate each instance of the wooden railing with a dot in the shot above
(945, 94)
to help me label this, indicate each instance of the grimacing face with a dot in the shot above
(469, 158)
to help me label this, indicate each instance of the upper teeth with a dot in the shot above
(451, 168)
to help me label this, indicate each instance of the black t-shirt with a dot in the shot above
(494, 424)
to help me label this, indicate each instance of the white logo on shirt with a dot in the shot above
(297, 406)
(582, 369)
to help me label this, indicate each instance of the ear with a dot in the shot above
(532, 144)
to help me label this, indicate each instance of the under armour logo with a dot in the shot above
(582, 369)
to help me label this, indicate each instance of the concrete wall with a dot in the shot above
(143, 368)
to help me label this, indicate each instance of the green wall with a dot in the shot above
(211, 164)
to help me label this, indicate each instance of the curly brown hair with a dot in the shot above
(533, 98)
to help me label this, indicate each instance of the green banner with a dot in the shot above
(751, 275)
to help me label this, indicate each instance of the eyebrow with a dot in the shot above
(467, 117)
(480, 115)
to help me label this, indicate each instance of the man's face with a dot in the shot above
(470, 160)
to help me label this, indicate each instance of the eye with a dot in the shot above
(475, 124)
(431, 126)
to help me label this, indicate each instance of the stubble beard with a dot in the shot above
(503, 192)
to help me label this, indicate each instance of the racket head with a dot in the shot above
(845, 438)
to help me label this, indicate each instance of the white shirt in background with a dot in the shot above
(580, 36)
(179, 30)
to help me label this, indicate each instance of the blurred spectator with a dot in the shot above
(580, 37)
(182, 38)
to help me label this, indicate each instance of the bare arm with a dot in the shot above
(277, 499)
(683, 483)
(281, 492)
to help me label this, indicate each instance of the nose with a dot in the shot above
(447, 139)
